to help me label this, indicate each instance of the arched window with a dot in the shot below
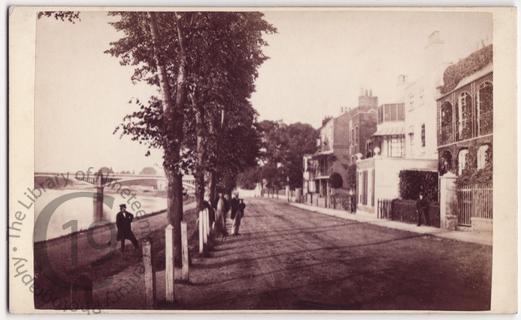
(485, 107)
(462, 160)
(464, 115)
(446, 122)
(483, 156)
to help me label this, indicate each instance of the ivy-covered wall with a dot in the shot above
(465, 67)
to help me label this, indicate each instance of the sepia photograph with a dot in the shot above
(258, 159)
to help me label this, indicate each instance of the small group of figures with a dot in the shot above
(218, 213)
(223, 205)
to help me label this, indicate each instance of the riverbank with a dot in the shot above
(96, 254)
(107, 225)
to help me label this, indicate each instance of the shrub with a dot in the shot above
(471, 175)
(336, 180)
(412, 182)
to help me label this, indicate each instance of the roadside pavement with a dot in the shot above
(484, 238)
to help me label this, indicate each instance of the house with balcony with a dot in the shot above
(405, 138)
(378, 175)
(308, 185)
(340, 140)
(386, 142)
(331, 157)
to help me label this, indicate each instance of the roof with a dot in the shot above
(323, 153)
(468, 79)
(473, 63)
(390, 129)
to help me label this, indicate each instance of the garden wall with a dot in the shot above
(405, 211)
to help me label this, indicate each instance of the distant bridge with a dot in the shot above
(88, 179)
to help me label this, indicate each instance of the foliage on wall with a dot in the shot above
(474, 62)
(471, 175)
(466, 111)
(335, 180)
(412, 182)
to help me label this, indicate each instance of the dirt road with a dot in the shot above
(289, 258)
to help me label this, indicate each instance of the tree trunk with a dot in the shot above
(213, 186)
(199, 165)
(173, 124)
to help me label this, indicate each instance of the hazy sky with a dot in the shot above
(318, 63)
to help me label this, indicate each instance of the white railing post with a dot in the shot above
(184, 251)
(205, 232)
(207, 220)
(150, 277)
(169, 264)
(201, 231)
(448, 201)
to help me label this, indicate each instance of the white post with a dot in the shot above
(201, 231)
(169, 264)
(205, 226)
(184, 250)
(150, 279)
(207, 220)
(448, 202)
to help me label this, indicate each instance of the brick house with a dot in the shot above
(465, 141)
(340, 140)
(465, 111)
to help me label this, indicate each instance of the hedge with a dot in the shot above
(412, 182)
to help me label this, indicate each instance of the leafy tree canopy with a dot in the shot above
(283, 147)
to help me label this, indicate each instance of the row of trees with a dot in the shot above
(204, 65)
(282, 149)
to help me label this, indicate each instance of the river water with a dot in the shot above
(76, 213)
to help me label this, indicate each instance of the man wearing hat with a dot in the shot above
(123, 221)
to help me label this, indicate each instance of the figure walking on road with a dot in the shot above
(123, 223)
(220, 218)
(238, 217)
(234, 205)
(422, 208)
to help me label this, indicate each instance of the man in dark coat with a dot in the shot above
(226, 206)
(123, 223)
(234, 205)
(352, 201)
(422, 208)
(238, 216)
